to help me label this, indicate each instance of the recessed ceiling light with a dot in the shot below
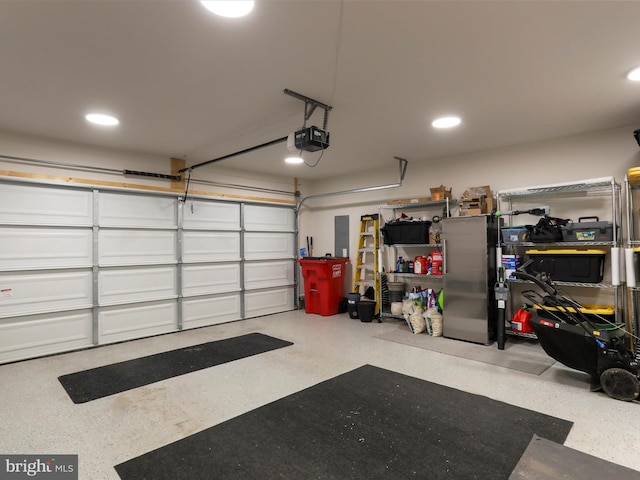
(293, 160)
(634, 75)
(229, 8)
(102, 119)
(446, 122)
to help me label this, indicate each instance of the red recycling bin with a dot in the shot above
(323, 284)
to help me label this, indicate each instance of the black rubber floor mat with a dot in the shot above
(369, 423)
(119, 377)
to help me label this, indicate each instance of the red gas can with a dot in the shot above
(520, 323)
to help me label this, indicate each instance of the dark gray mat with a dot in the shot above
(547, 460)
(369, 423)
(119, 377)
(519, 354)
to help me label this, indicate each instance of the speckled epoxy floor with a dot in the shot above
(37, 416)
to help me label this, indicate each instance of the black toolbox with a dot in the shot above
(406, 231)
(585, 266)
(588, 231)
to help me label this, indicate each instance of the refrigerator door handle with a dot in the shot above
(444, 255)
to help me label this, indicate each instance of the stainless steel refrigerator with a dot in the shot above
(470, 311)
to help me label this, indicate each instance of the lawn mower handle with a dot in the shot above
(547, 287)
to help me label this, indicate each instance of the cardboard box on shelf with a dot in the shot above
(473, 192)
(471, 211)
(472, 206)
(490, 203)
(477, 200)
(440, 193)
(409, 201)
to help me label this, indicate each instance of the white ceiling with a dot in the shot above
(186, 83)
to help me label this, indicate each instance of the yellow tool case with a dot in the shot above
(594, 313)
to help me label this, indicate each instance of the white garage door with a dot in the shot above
(82, 266)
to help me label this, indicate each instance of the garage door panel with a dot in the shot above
(266, 246)
(264, 302)
(265, 218)
(31, 336)
(209, 279)
(136, 247)
(203, 215)
(28, 293)
(138, 211)
(210, 246)
(136, 321)
(135, 284)
(38, 205)
(153, 263)
(32, 248)
(268, 274)
(211, 310)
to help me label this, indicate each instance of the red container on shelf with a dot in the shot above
(436, 262)
(323, 284)
(421, 265)
(521, 321)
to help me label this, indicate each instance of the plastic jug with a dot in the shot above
(436, 262)
(420, 264)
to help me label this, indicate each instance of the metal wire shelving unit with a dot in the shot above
(605, 188)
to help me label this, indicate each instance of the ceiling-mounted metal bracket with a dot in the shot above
(310, 106)
(402, 165)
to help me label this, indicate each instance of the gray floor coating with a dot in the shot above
(39, 418)
(519, 353)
